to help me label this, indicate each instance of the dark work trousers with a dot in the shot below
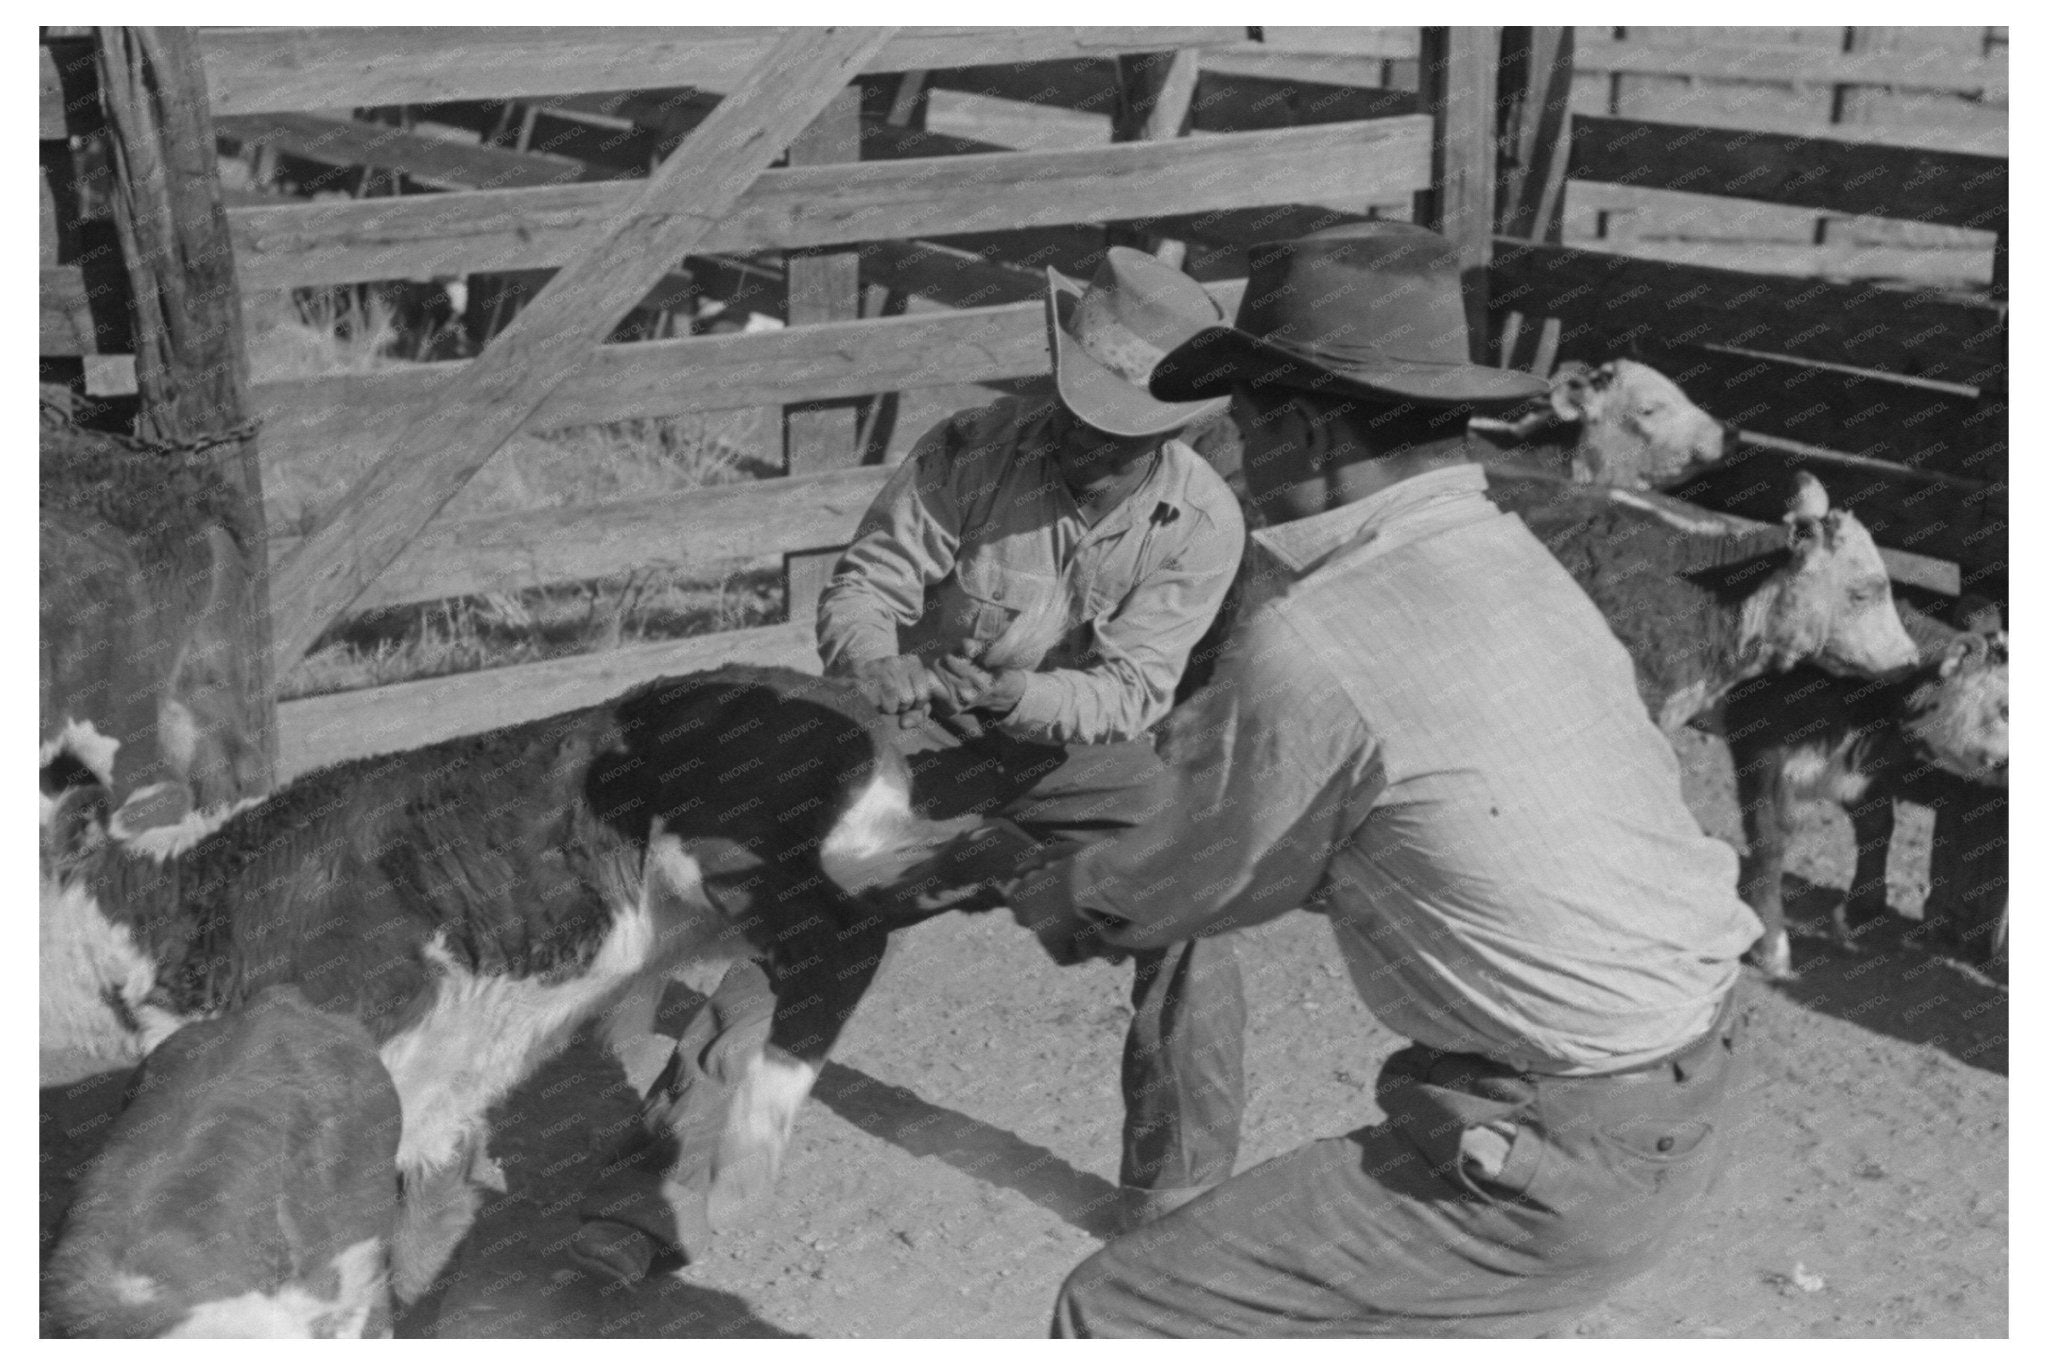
(1183, 1065)
(1489, 1203)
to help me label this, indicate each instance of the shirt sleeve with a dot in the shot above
(1142, 647)
(907, 540)
(1273, 768)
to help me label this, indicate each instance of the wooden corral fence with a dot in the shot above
(587, 175)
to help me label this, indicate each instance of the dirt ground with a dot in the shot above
(960, 1155)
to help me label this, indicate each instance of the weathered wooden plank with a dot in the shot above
(1242, 102)
(567, 545)
(259, 70)
(1846, 177)
(1801, 64)
(78, 320)
(1941, 430)
(420, 236)
(67, 88)
(1899, 331)
(1967, 527)
(658, 378)
(191, 368)
(607, 271)
(1954, 268)
(1536, 79)
(1155, 94)
(318, 731)
(1271, 61)
(823, 287)
(1459, 67)
(436, 162)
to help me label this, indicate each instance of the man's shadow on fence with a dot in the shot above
(906, 1120)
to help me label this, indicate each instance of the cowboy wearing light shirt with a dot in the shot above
(1428, 734)
(1024, 594)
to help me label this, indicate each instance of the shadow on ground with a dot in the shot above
(1893, 984)
(995, 1156)
(512, 1276)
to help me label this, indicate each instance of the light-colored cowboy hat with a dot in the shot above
(1107, 339)
(1369, 307)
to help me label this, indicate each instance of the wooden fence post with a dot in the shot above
(613, 266)
(908, 104)
(191, 367)
(1535, 156)
(1155, 99)
(1457, 82)
(823, 287)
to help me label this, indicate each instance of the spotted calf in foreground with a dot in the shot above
(246, 1190)
(474, 903)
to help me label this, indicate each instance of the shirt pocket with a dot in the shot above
(1012, 614)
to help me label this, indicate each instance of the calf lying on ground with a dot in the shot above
(1621, 423)
(247, 1189)
(475, 902)
(1700, 608)
(1935, 735)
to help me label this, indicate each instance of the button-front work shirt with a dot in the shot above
(975, 545)
(1432, 735)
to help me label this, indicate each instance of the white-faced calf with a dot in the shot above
(1701, 608)
(1935, 735)
(475, 902)
(1622, 424)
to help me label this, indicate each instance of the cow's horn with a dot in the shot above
(1809, 499)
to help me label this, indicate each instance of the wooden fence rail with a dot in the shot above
(1896, 395)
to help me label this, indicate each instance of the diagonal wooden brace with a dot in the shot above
(558, 332)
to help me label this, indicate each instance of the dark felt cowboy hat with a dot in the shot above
(1367, 307)
(1107, 338)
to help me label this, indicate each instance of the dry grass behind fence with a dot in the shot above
(312, 333)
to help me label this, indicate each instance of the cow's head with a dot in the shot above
(1959, 717)
(1833, 606)
(1637, 429)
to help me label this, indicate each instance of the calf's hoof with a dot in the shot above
(1773, 957)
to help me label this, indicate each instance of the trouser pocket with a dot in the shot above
(1472, 1120)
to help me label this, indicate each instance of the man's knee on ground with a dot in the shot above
(1086, 1297)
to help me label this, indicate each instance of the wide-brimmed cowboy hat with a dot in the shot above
(1368, 307)
(1107, 338)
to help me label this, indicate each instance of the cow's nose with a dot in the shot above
(1731, 440)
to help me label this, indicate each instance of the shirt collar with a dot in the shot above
(1304, 544)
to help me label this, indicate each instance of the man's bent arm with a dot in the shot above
(1273, 770)
(907, 540)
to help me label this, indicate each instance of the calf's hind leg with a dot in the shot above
(817, 978)
(719, 1116)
